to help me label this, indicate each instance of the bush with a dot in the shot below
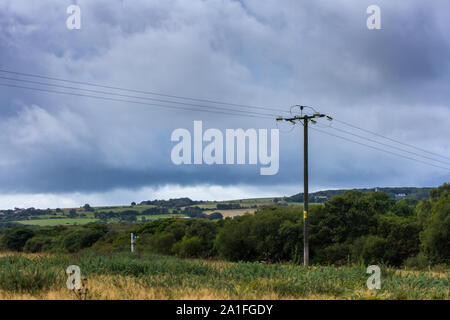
(402, 234)
(37, 244)
(189, 247)
(206, 231)
(337, 253)
(84, 237)
(235, 242)
(15, 239)
(372, 250)
(215, 216)
(419, 262)
(162, 243)
(435, 238)
(271, 234)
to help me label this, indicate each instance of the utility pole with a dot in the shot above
(305, 194)
(304, 119)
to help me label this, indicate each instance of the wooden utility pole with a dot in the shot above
(305, 194)
(304, 119)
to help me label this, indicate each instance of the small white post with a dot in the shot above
(133, 242)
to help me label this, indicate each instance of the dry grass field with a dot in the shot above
(127, 276)
(233, 212)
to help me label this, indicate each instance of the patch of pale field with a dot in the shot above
(233, 212)
(24, 255)
(440, 274)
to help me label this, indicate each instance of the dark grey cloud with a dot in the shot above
(394, 81)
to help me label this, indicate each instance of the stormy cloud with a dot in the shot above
(275, 54)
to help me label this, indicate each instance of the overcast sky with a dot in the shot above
(63, 151)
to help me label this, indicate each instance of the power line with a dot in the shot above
(141, 91)
(130, 101)
(387, 145)
(393, 140)
(216, 109)
(379, 149)
(130, 96)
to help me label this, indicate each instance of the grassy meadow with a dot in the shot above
(56, 222)
(150, 276)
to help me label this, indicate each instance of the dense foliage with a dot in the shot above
(356, 227)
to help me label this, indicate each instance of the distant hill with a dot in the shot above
(396, 193)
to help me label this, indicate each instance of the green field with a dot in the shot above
(55, 222)
(79, 221)
(139, 208)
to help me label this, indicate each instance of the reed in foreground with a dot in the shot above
(128, 276)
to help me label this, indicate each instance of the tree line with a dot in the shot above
(356, 227)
